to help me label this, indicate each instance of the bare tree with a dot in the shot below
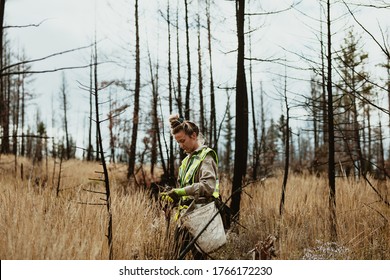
(90, 147)
(155, 130)
(134, 136)
(188, 87)
(200, 75)
(171, 161)
(331, 138)
(105, 170)
(255, 149)
(285, 127)
(241, 143)
(213, 117)
(227, 157)
(65, 108)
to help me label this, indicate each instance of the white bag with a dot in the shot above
(213, 237)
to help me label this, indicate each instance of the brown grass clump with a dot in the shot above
(35, 223)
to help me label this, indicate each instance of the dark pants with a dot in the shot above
(182, 239)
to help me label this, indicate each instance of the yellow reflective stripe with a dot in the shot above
(216, 191)
(182, 168)
(194, 165)
(186, 173)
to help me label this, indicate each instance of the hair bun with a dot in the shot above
(179, 123)
(174, 121)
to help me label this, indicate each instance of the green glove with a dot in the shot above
(179, 192)
(165, 197)
(173, 196)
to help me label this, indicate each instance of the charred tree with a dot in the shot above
(179, 99)
(331, 137)
(213, 118)
(188, 87)
(241, 143)
(286, 139)
(255, 150)
(134, 136)
(200, 77)
(65, 108)
(171, 161)
(103, 162)
(90, 147)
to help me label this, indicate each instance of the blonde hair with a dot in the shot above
(178, 124)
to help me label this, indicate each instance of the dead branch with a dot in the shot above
(24, 26)
(274, 12)
(39, 59)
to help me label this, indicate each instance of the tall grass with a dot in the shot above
(35, 223)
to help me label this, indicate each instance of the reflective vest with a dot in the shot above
(190, 166)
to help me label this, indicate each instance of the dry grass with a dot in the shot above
(303, 232)
(37, 224)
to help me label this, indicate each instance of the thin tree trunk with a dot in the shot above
(381, 159)
(133, 145)
(171, 161)
(188, 88)
(154, 116)
(287, 152)
(324, 89)
(263, 144)
(213, 118)
(200, 78)
(229, 136)
(105, 171)
(96, 89)
(314, 109)
(331, 138)
(65, 108)
(23, 110)
(16, 116)
(179, 97)
(255, 160)
(369, 131)
(111, 124)
(90, 147)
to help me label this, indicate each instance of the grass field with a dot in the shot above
(36, 223)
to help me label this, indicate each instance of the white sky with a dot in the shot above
(70, 24)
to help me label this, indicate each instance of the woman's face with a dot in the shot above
(187, 143)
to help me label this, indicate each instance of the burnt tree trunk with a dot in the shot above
(133, 145)
(105, 171)
(213, 118)
(241, 143)
(171, 161)
(200, 79)
(287, 152)
(331, 137)
(188, 88)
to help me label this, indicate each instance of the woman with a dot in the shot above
(197, 179)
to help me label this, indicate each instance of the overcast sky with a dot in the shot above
(68, 24)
